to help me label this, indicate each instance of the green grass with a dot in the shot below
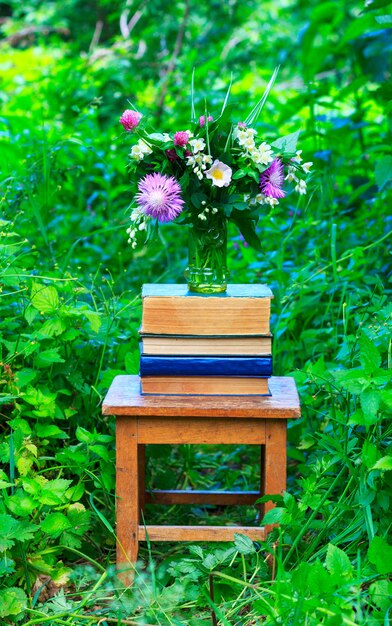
(70, 309)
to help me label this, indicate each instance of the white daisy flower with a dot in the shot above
(241, 137)
(271, 201)
(250, 132)
(291, 174)
(220, 174)
(144, 147)
(260, 198)
(297, 158)
(197, 144)
(265, 152)
(300, 187)
(306, 166)
(136, 153)
(249, 143)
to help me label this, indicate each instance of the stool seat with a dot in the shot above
(161, 419)
(124, 398)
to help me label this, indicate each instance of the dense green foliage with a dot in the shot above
(70, 309)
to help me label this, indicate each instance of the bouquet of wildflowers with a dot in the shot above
(217, 170)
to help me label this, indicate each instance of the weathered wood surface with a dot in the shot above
(198, 419)
(221, 498)
(275, 461)
(199, 533)
(127, 490)
(141, 460)
(201, 430)
(124, 398)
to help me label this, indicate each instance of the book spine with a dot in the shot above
(200, 366)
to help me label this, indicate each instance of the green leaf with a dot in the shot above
(338, 564)
(53, 327)
(51, 431)
(239, 174)
(369, 453)
(318, 578)
(55, 523)
(7, 566)
(370, 402)
(21, 503)
(383, 172)
(277, 515)
(8, 531)
(25, 376)
(243, 544)
(247, 229)
(287, 143)
(47, 357)
(84, 435)
(25, 530)
(380, 554)
(132, 362)
(94, 319)
(101, 451)
(13, 601)
(385, 463)
(53, 492)
(355, 380)
(380, 594)
(386, 397)
(369, 354)
(80, 521)
(44, 299)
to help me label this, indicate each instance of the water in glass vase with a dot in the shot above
(207, 270)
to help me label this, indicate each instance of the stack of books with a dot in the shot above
(217, 344)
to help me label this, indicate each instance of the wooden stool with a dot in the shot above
(142, 420)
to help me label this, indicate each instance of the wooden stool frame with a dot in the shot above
(142, 420)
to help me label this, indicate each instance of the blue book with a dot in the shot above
(205, 366)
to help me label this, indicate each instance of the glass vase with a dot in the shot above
(207, 270)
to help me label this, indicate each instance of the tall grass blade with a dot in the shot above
(227, 95)
(255, 112)
(193, 112)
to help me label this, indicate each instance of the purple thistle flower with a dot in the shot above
(271, 180)
(181, 138)
(160, 197)
(130, 119)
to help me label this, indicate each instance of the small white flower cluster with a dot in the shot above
(292, 175)
(202, 215)
(139, 151)
(260, 155)
(138, 223)
(198, 161)
(262, 199)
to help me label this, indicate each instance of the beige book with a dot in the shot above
(171, 309)
(204, 385)
(202, 345)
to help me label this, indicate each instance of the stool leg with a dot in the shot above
(261, 507)
(275, 460)
(141, 459)
(127, 491)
